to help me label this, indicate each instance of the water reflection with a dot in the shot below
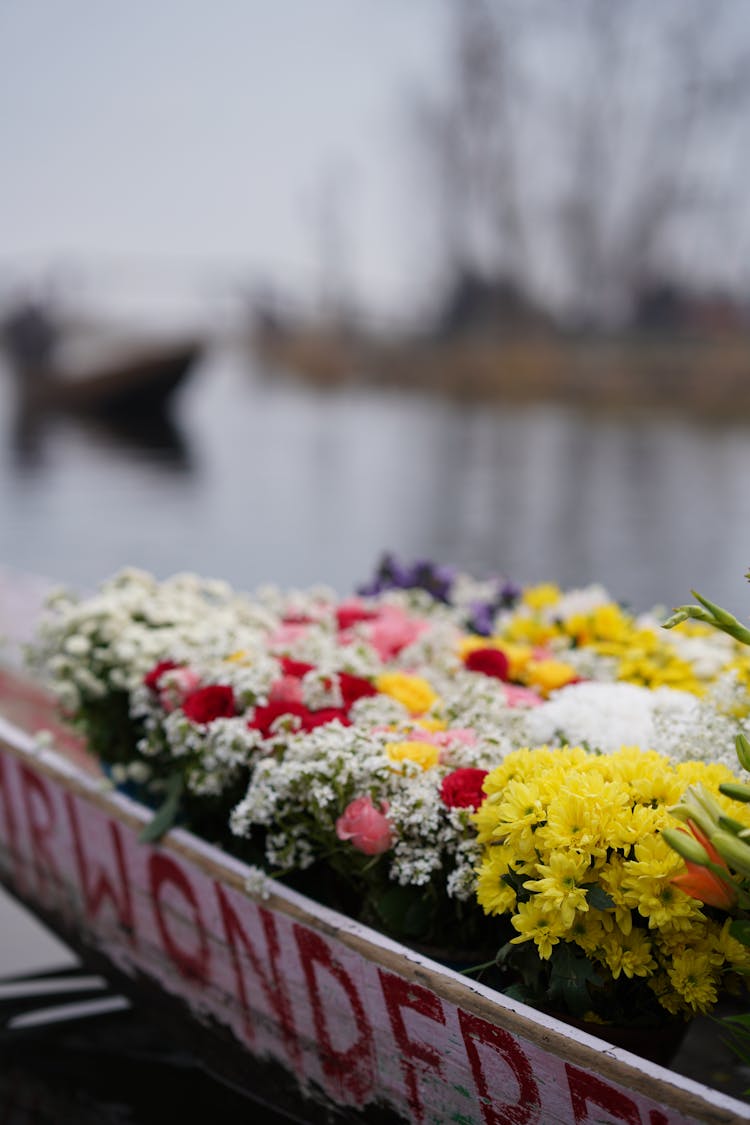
(156, 438)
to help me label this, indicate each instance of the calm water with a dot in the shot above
(267, 479)
(264, 479)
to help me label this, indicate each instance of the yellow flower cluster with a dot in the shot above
(573, 852)
(644, 655)
(414, 692)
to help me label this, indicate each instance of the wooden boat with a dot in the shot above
(137, 383)
(336, 1021)
(92, 372)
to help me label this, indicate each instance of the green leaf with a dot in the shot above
(569, 979)
(597, 897)
(166, 814)
(392, 906)
(520, 992)
(739, 929)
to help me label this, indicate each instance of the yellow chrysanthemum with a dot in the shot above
(731, 950)
(647, 886)
(494, 895)
(589, 931)
(693, 977)
(413, 692)
(516, 816)
(425, 754)
(629, 954)
(580, 814)
(560, 887)
(536, 924)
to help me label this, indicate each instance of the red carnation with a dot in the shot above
(354, 688)
(151, 679)
(348, 615)
(462, 789)
(208, 703)
(491, 661)
(325, 715)
(266, 714)
(297, 668)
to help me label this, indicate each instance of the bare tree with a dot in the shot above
(582, 140)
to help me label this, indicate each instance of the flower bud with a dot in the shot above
(736, 790)
(735, 851)
(686, 846)
(743, 751)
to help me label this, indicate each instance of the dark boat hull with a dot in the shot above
(134, 386)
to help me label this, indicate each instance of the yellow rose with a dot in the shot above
(425, 754)
(547, 675)
(413, 692)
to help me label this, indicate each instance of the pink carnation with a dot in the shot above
(367, 828)
(520, 696)
(288, 633)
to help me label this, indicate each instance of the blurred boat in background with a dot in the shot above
(90, 369)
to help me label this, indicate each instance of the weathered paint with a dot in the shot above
(340, 1007)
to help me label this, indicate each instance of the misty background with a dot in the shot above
(467, 281)
(470, 281)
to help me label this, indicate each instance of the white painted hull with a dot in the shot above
(345, 1016)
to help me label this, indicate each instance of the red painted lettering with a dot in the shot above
(100, 886)
(166, 875)
(272, 983)
(41, 823)
(350, 1072)
(586, 1088)
(527, 1107)
(416, 1057)
(656, 1117)
(9, 818)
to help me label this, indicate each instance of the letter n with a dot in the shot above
(271, 982)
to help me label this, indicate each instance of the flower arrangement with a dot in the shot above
(574, 855)
(424, 754)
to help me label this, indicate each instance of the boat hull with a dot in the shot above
(268, 986)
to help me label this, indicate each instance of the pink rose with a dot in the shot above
(446, 739)
(175, 685)
(392, 631)
(368, 828)
(152, 678)
(287, 689)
